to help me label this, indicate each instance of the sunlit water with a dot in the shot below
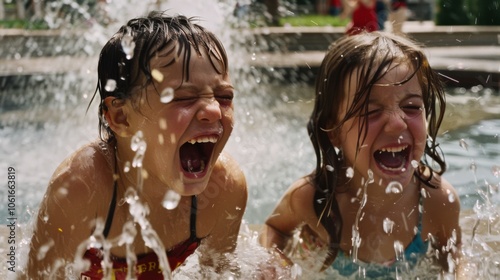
(270, 142)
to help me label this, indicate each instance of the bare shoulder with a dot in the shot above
(74, 198)
(228, 175)
(441, 212)
(443, 198)
(296, 208)
(82, 173)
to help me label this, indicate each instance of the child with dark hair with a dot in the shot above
(157, 185)
(376, 200)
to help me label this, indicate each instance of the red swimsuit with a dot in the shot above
(147, 266)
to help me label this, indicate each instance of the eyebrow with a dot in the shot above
(409, 96)
(194, 88)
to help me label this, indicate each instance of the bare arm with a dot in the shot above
(65, 219)
(294, 209)
(442, 212)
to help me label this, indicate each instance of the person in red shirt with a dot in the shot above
(363, 17)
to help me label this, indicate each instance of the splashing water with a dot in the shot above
(259, 162)
(167, 95)
(394, 187)
(388, 225)
(349, 173)
(171, 200)
(128, 45)
(110, 85)
(463, 144)
(157, 75)
(138, 145)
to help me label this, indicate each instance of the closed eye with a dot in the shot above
(412, 111)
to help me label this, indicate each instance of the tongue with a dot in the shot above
(191, 158)
(389, 159)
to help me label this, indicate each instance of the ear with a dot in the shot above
(116, 117)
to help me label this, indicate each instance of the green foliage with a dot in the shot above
(24, 24)
(452, 12)
(313, 20)
(470, 12)
(488, 12)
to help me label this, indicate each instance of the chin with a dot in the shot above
(194, 188)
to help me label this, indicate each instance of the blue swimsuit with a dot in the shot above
(345, 266)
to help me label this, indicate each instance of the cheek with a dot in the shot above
(418, 130)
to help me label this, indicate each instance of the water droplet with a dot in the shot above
(473, 167)
(329, 168)
(388, 225)
(451, 197)
(62, 191)
(464, 144)
(110, 85)
(349, 173)
(128, 46)
(42, 251)
(423, 192)
(126, 167)
(171, 200)
(131, 196)
(138, 145)
(167, 95)
(94, 243)
(394, 187)
(370, 176)
(137, 140)
(128, 233)
(414, 163)
(157, 75)
(296, 271)
(163, 123)
(399, 249)
(496, 170)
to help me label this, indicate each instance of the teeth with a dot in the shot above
(393, 150)
(204, 139)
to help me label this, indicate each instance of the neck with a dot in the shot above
(130, 174)
(375, 198)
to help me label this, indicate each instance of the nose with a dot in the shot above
(209, 110)
(395, 121)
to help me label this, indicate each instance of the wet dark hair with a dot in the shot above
(156, 34)
(370, 56)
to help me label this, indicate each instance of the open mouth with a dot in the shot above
(392, 159)
(195, 154)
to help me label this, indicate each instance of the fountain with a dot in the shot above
(43, 119)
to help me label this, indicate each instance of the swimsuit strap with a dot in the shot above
(192, 219)
(111, 212)
(112, 206)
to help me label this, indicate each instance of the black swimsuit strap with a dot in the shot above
(112, 206)
(192, 220)
(111, 213)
